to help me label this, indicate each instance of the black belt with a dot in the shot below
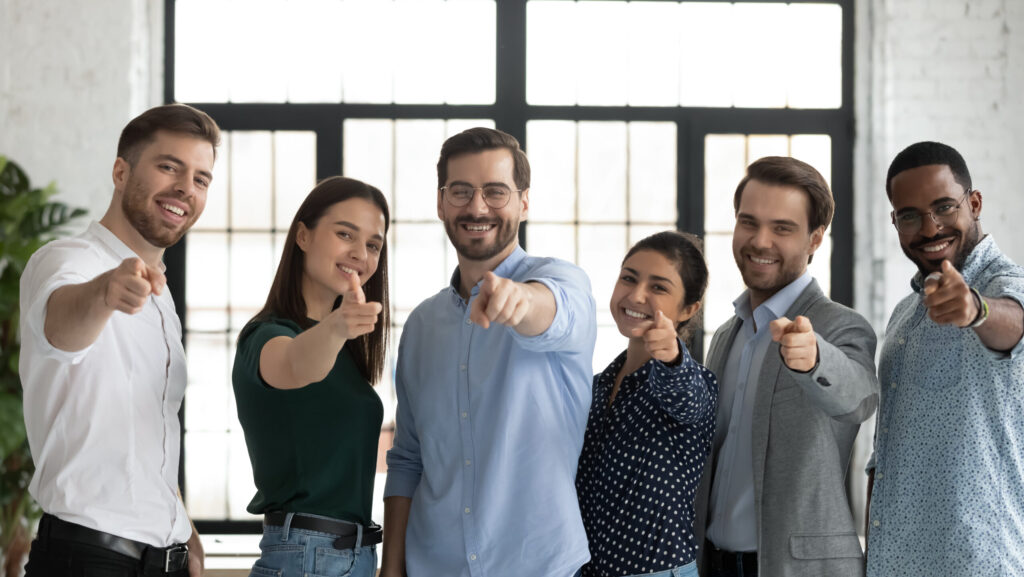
(721, 560)
(168, 559)
(346, 533)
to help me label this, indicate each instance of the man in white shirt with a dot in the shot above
(103, 368)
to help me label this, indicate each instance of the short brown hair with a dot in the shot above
(178, 118)
(479, 139)
(787, 171)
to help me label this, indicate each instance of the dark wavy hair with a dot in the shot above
(285, 299)
(684, 251)
(176, 118)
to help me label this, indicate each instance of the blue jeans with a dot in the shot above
(688, 570)
(288, 552)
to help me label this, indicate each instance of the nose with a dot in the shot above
(185, 185)
(476, 204)
(930, 226)
(762, 238)
(358, 251)
(638, 294)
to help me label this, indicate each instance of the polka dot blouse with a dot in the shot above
(642, 460)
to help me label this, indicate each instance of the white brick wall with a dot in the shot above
(71, 75)
(946, 70)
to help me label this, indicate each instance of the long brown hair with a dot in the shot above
(285, 299)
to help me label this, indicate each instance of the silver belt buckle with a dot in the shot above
(174, 554)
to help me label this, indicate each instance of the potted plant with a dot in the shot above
(28, 220)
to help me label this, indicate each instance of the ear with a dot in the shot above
(687, 312)
(122, 170)
(975, 201)
(816, 237)
(524, 204)
(302, 237)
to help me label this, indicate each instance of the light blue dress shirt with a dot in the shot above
(948, 497)
(489, 431)
(732, 520)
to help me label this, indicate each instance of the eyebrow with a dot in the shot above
(356, 228)
(180, 162)
(785, 221)
(634, 272)
(484, 185)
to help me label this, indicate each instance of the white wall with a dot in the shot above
(945, 70)
(72, 74)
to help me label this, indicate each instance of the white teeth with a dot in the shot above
(935, 248)
(635, 315)
(478, 227)
(762, 260)
(345, 269)
(173, 209)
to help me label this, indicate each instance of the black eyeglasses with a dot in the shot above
(944, 215)
(495, 195)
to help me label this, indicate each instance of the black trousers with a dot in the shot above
(58, 558)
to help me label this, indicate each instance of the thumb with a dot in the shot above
(355, 289)
(802, 324)
(947, 267)
(661, 321)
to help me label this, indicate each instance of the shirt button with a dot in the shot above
(878, 476)
(472, 557)
(885, 429)
(875, 523)
(469, 322)
(462, 367)
(893, 385)
(464, 414)
(467, 510)
(468, 462)
(902, 341)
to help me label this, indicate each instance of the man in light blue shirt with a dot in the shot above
(494, 387)
(797, 379)
(947, 492)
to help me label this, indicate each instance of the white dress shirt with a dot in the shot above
(102, 422)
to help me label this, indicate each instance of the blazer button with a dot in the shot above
(824, 382)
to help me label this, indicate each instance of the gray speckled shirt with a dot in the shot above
(948, 497)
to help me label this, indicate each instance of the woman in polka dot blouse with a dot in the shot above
(652, 419)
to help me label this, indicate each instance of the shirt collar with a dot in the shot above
(982, 253)
(777, 305)
(115, 244)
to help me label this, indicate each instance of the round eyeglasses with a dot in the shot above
(910, 222)
(495, 195)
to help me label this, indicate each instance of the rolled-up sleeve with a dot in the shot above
(574, 327)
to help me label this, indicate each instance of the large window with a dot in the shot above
(637, 117)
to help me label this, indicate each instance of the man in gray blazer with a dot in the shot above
(797, 378)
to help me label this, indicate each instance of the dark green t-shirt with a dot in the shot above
(314, 449)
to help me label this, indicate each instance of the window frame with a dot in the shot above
(511, 112)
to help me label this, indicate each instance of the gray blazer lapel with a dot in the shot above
(771, 373)
(718, 354)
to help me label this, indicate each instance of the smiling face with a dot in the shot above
(926, 189)
(648, 282)
(348, 238)
(163, 194)
(771, 242)
(479, 232)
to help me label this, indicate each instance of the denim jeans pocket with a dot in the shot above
(277, 560)
(331, 562)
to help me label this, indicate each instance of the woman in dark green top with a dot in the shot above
(302, 381)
